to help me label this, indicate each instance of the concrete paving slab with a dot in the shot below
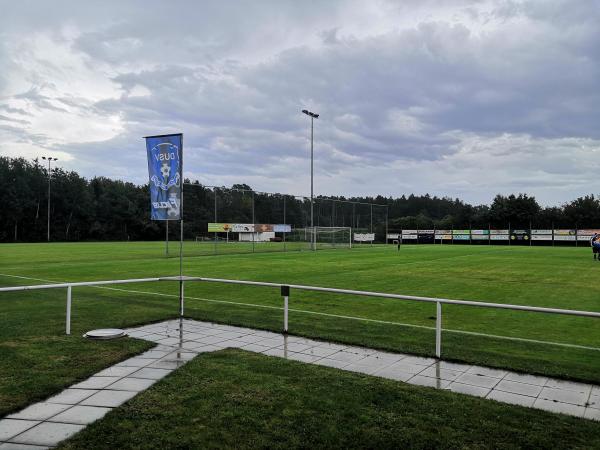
(478, 380)
(429, 382)
(513, 387)
(557, 407)
(95, 383)
(72, 396)
(151, 373)
(14, 446)
(513, 399)
(81, 415)
(116, 371)
(39, 411)
(47, 433)
(469, 389)
(564, 396)
(108, 398)
(527, 379)
(10, 428)
(132, 384)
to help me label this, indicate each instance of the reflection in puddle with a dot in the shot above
(180, 346)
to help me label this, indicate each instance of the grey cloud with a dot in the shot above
(10, 109)
(12, 119)
(37, 99)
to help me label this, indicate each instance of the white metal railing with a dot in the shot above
(285, 293)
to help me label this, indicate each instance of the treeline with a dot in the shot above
(105, 209)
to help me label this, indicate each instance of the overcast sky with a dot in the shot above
(454, 98)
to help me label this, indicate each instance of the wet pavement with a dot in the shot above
(45, 424)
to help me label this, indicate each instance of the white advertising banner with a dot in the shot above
(541, 232)
(364, 237)
(541, 237)
(563, 238)
(242, 227)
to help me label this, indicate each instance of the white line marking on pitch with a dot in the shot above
(303, 311)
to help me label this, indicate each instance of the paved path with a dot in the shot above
(45, 424)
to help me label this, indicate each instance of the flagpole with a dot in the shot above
(181, 237)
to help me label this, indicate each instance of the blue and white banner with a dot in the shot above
(165, 161)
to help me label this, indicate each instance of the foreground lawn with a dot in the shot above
(237, 399)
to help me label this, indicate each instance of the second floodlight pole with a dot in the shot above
(312, 116)
(50, 159)
(312, 171)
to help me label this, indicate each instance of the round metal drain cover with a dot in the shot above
(105, 333)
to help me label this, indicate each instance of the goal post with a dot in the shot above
(322, 237)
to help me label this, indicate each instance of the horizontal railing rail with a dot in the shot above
(572, 312)
(78, 283)
(285, 293)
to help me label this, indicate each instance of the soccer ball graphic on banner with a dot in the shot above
(165, 170)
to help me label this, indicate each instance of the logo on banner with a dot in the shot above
(167, 156)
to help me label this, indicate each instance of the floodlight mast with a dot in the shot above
(312, 116)
(49, 159)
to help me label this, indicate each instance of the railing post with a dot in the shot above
(69, 291)
(285, 293)
(438, 330)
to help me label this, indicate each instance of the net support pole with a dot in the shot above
(438, 330)
(68, 326)
(167, 239)
(530, 233)
(285, 293)
(285, 223)
(215, 216)
(387, 216)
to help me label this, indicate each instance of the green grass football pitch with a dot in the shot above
(32, 339)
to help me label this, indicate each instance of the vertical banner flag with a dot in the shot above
(165, 161)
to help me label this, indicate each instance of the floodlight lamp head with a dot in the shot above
(311, 114)
(43, 157)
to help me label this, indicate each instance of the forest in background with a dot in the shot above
(105, 209)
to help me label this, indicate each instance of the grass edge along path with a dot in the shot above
(237, 399)
(43, 366)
